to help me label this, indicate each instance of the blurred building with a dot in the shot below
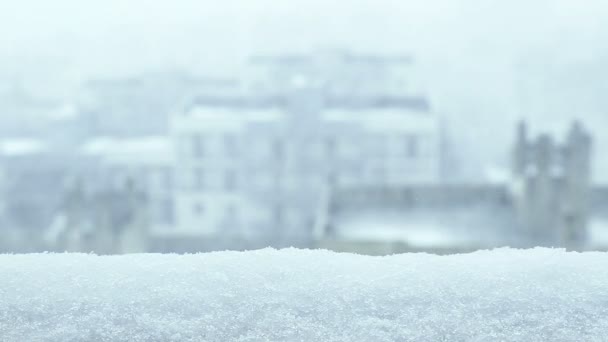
(147, 162)
(33, 178)
(549, 201)
(597, 221)
(118, 206)
(258, 164)
(21, 113)
(419, 218)
(333, 149)
(341, 75)
(24, 115)
(552, 184)
(105, 221)
(66, 197)
(139, 106)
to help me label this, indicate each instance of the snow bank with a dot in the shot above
(298, 295)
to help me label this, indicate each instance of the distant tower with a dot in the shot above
(521, 150)
(543, 190)
(576, 155)
(551, 187)
(2, 194)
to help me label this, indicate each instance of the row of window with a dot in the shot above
(198, 147)
(231, 214)
(201, 182)
(230, 180)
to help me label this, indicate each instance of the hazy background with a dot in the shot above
(483, 64)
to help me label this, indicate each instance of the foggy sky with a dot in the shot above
(484, 64)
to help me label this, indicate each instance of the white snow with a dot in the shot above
(150, 149)
(20, 147)
(215, 118)
(301, 295)
(402, 120)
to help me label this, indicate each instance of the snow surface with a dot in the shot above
(302, 295)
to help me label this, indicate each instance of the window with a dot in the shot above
(184, 145)
(330, 147)
(230, 145)
(161, 179)
(412, 146)
(166, 211)
(198, 209)
(278, 214)
(378, 173)
(278, 149)
(332, 178)
(167, 179)
(198, 179)
(232, 211)
(230, 180)
(198, 146)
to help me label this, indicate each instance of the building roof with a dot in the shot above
(21, 146)
(383, 115)
(413, 103)
(146, 150)
(385, 119)
(342, 55)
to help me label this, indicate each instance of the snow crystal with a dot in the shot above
(302, 295)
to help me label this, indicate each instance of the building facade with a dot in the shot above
(548, 201)
(258, 164)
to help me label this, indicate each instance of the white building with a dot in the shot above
(122, 197)
(147, 162)
(258, 164)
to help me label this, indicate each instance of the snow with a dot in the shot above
(401, 120)
(303, 295)
(150, 149)
(67, 111)
(216, 118)
(498, 175)
(21, 146)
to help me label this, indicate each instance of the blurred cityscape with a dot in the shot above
(331, 149)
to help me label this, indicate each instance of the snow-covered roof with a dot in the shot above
(67, 111)
(386, 119)
(21, 146)
(381, 119)
(220, 114)
(304, 295)
(152, 149)
(219, 118)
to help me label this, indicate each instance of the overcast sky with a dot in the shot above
(483, 63)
